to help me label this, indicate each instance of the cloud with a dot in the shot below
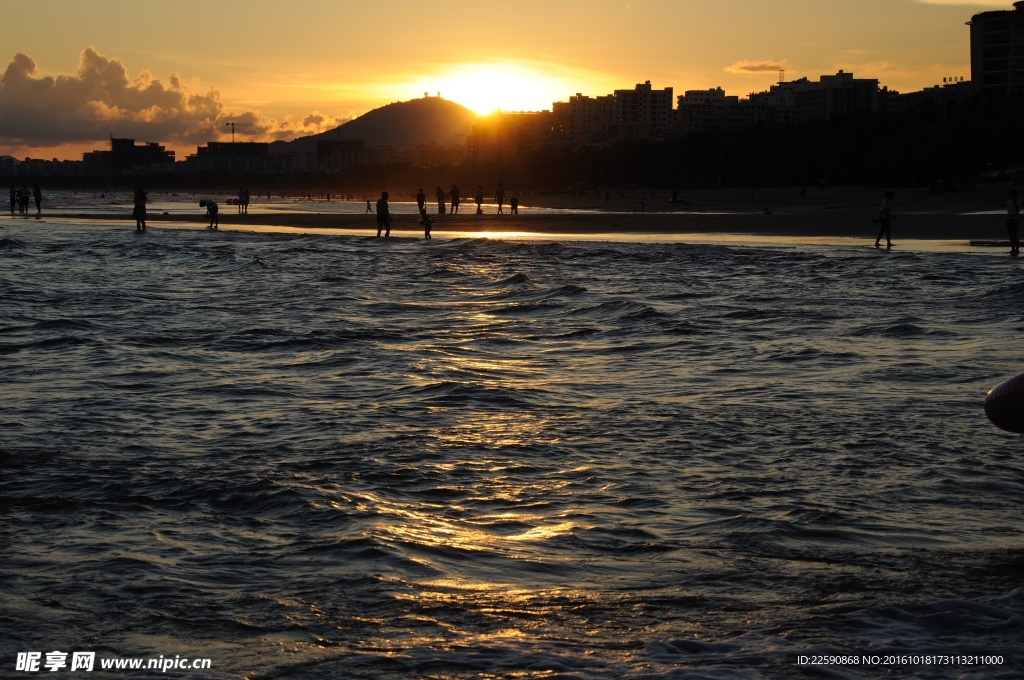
(314, 119)
(749, 66)
(102, 98)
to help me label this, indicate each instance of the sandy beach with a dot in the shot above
(840, 212)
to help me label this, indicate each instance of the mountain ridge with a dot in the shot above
(401, 125)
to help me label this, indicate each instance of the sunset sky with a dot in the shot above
(295, 68)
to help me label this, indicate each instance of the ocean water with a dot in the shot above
(342, 457)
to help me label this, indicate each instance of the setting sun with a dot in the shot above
(484, 88)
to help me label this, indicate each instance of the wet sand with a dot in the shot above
(836, 213)
(939, 226)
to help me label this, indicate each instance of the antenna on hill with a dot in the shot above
(233, 125)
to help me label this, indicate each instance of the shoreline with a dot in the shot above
(809, 224)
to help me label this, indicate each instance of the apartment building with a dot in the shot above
(997, 51)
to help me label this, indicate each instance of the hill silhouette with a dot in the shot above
(401, 125)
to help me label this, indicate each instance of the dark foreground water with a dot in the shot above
(331, 456)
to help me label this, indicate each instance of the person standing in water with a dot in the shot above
(24, 199)
(139, 211)
(440, 200)
(427, 221)
(212, 210)
(884, 220)
(479, 200)
(38, 196)
(499, 197)
(455, 199)
(1013, 221)
(383, 215)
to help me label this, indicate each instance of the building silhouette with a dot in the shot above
(124, 155)
(997, 51)
(832, 96)
(642, 113)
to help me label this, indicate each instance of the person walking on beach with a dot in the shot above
(38, 196)
(212, 210)
(455, 199)
(884, 220)
(499, 197)
(479, 200)
(1013, 221)
(440, 200)
(421, 200)
(245, 199)
(369, 208)
(139, 211)
(383, 216)
(241, 200)
(514, 205)
(14, 198)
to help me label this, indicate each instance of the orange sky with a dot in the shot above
(289, 68)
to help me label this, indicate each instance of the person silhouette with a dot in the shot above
(14, 198)
(514, 205)
(38, 196)
(421, 200)
(455, 199)
(479, 200)
(241, 201)
(1013, 221)
(139, 211)
(245, 199)
(24, 199)
(212, 210)
(499, 197)
(427, 221)
(440, 200)
(884, 220)
(369, 208)
(383, 215)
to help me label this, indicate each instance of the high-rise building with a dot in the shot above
(833, 96)
(506, 136)
(997, 51)
(643, 111)
(582, 120)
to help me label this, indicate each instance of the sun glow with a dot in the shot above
(485, 88)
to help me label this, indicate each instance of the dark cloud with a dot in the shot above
(102, 98)
(747, 66)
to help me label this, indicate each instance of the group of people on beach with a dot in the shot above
(455, 197)
(384, 217)
(20, 198)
